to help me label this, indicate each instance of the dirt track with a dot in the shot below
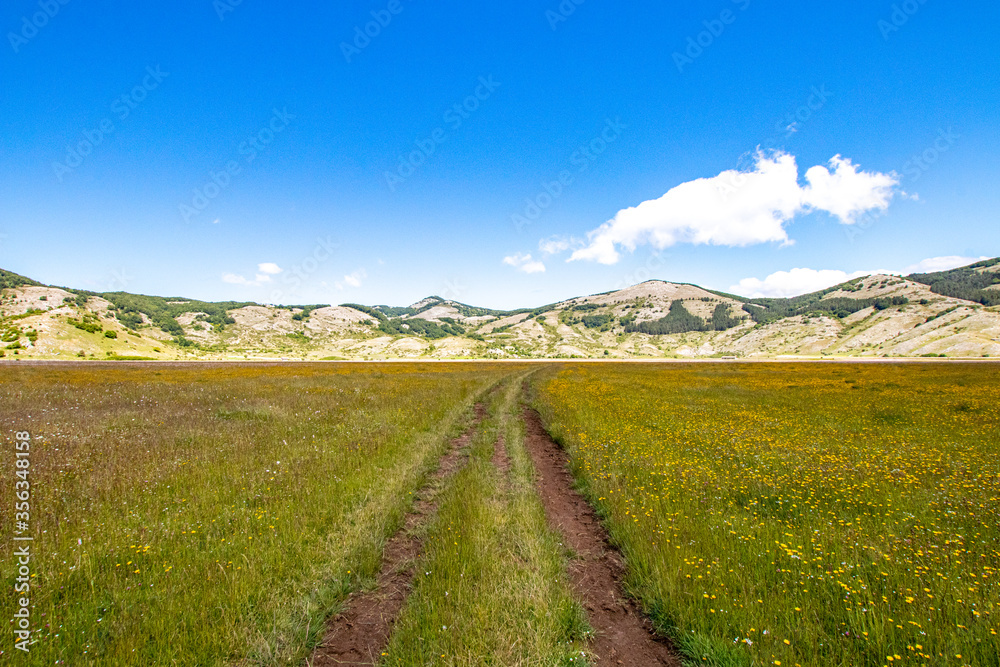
(624, 635)
(361, 632)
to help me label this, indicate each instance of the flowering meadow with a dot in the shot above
(797, 514)
(842, 514)
(212, 514)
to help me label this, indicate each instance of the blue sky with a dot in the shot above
(255, 151)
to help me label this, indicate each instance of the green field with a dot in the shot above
(792, 514)
(798, 514)
(200, 515)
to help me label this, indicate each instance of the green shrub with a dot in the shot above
(595, 321)
(110, 334)
(306, 312)
(89, 324)
(129, 319)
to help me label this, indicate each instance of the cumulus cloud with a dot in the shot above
(932, 264)
(846, 192)
(269, 268)
(741, 208)
(523, 262)
(794, 282)
(353, 279)
(265, 271)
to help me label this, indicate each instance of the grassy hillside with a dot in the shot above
(163, 311)
(931, 314)
(9, 279)
(969, 282)
(463, 309)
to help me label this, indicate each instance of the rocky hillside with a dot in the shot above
(953, 313)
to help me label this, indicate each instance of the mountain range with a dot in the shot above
(946, 314)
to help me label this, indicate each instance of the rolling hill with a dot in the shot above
(952, 313)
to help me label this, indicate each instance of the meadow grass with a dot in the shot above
(797, 514)
(788, 514)
(203, 515)
(491, 587)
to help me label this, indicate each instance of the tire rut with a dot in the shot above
(501, 461)
(623, 635)
(359, 634)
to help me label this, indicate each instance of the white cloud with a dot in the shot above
(804, 281)
(793, 283)
(557, 244)
(846, 192)
(264, 272)
(353, 279)
(932, 264)
(269, 268)
(741, 208)
(525, 263)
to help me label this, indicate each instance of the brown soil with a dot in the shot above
(623, 635)
(500, 459)
(359, 634)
